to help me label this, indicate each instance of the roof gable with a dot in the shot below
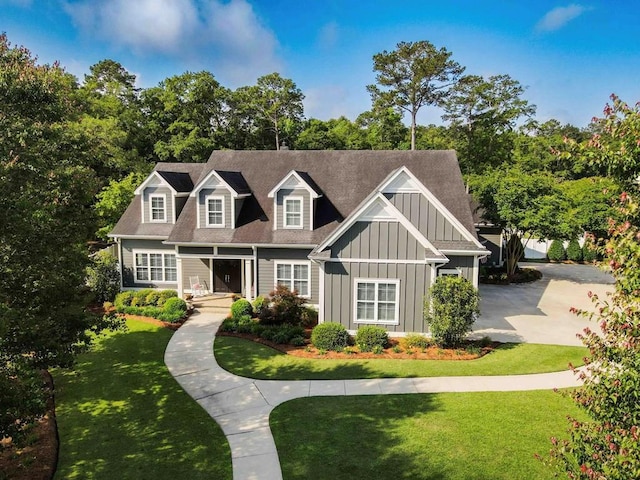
(295, 179)
(232, 181)
(155, 179)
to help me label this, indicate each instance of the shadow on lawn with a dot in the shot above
(347, 445)
(121, 414)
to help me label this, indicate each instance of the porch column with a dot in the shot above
(179, 273)
(248, 276)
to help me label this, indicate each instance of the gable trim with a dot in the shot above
(204, 181)
(161, 181)
(300, 180)
(434, 200)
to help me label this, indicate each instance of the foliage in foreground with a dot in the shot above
(103, 276)
(450, 309)
(607, 446)
(160, 304)
(122, 415)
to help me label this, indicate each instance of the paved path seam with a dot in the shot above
(241, 406)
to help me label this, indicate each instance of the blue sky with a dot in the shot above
(570, 55)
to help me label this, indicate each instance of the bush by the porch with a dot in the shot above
(241, 307)
(159, 304)
(282, 306)
(450, 309)
(371, 337)
(330, 336)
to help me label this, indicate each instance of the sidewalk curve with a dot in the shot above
(241, 406)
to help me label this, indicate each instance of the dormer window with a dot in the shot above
(215, 211)
(293, 212)
(158, 206)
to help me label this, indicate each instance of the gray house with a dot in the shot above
(361, 234)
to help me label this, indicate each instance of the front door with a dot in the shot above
(227, 276)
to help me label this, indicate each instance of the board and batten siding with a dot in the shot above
(425, 216)
(462, 263)
(378, 240)
(415, 280)
(168, 203)
(202, 205)
(267, 258)
(200, 267)
(293, 192)
(128, 246)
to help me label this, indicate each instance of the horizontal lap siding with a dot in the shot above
(379, 240)
(200, 267)
(425, 216)
(128, 261)
(339, 286)
(266, 269)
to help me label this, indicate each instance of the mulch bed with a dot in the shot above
(309, 351)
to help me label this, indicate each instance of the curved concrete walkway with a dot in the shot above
(241, 406)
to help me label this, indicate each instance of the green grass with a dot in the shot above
(122, 415)
(251, 359)
(460, 436)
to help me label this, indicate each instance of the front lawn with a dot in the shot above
(122, 415)
(463, 436)
(254, 360)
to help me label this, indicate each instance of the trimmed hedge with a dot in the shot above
(330, 336)
(162, 305)
(241, 307)
(369, 337)
(556, 252)
(589, 253)
(574, 251)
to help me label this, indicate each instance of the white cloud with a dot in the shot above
(224, 37)
(558, 17)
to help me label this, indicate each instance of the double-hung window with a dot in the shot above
(158, 208)
(293, 212)
(376, 301)
(294, 276)
(215, 211)
(155, 267)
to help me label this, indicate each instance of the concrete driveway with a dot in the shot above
(539, 312)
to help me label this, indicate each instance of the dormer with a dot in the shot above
(219, 198)
(162, 196)
(294, 202)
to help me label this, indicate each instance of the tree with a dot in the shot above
(484, 113)
(607, 443)
(383, 128)
(45, 221)
(113, 200)
(412, 76)
(275, 101)
(451, 309)
(525, 205)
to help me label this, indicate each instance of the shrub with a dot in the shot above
(451, 309)
(589, 252)
(241, 307)
(166, 295)
(284, 307)
(123, 299)
(377, 349)
(556, 252)
(170, 316)
(371, 336)
(103, 276)
(574, 251)
(175, 304)
(244, 324)
(152, 298)
(330, 336)
(140, 297)
(258, 304)
(228, 325)
(151, 311)
(309, 317)
(282, 333)
(257, 329)
(415, 340)
(297, 341)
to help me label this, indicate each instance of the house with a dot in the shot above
(361, 234)
(489, 234)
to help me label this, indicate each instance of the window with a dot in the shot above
(295, 276)
(377, 301)
(215, 211)
(449, 272)
(158, 212)
(293, 212)
(155, 267)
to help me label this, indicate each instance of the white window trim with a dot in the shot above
(164, 210)
(206, 211)
(291, 198)
(449, 271)
(292, 263)
(376, 281)
(148, 267)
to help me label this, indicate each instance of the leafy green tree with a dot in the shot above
(188, 115)
(451, 309)
(103, 276)
(383, 128)
(113, 200)
(526, 205)
(412, 76)
(607, 444)
(274, 104)
(319, 135)
(483, 114)
(434, 137)
(45, 221)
